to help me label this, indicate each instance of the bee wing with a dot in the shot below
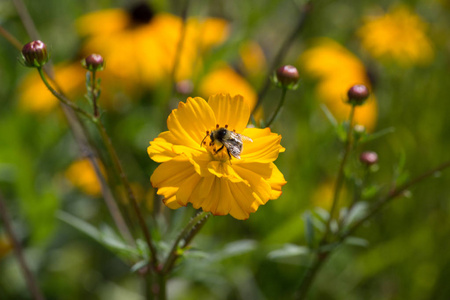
(234, 147)
(246, 138)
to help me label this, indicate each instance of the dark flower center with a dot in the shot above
(141, 13)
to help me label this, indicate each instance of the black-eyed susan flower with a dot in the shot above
(337, 70)
(194, 169)
(141, 47)
(399, 37)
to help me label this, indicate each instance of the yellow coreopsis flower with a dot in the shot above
(337, 69)
(207, 173)
(398, 36)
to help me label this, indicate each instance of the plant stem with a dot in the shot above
(112, 206)
(124, 180)
(94, 93)
(62, 98)
(30, 279)
(77, 127)
(306, 9)
(280, 105)
(310, 274)
(10, 38)
(187, 234)
(340, 175)
(394, 193)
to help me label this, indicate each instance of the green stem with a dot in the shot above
(340, 175)
(29, 278)
(280, 105)
(187, 234)
(94, 93)
(63, 99)
(130, 195)
(305, 10)
(310, 274)
(10, 38)
(394, 193)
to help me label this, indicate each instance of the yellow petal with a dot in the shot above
(187, 187)
(170, 175)
(223, 170)
(190, 121)
(276, 181)
(233, 112)
(258, 184)
(264, 148)
(160, 150)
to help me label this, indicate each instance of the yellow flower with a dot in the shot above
(337, 69)
(34, 95)
(194, 169)
(82, 175)
(398, 36)
(224, 79)
(144, 50)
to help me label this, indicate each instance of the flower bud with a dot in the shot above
(368, 158)
(358, 94)
(35, 54)
(287, 76)
(93, 62)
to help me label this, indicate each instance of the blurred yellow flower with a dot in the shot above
(224, 79)
(253, 60)
(141, 47)
(34, 95)
(398, 36)
(82, 175)
(5, 245)
(200, 171)
(337, 69)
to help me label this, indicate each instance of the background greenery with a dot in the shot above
(407, 255)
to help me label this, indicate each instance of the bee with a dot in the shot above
(231, 140)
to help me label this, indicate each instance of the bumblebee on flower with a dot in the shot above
(209, 158)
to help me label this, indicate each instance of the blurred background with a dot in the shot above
(400, 49)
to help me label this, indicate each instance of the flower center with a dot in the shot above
(219, 142)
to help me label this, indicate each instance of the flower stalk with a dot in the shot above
(340, 174)
(280, 105)
(29, 277)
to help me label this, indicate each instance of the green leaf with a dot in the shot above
(355, 241)
(329, 115)
(139, 265)
(107, 237)
(236, 248)
(376, 135)
(291, 254)
(356, 213)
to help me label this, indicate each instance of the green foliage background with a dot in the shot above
(407, 255)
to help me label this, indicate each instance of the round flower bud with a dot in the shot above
(287, 76)
(35, 54)
(93, 62)
(368, 158)
(358, 94)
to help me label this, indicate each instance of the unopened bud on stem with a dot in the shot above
(35, 54)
